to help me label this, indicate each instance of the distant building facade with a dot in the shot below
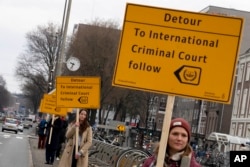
(240, 123)
(210, 116)
(233, 118)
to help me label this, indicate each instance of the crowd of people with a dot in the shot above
(56, 131)
(52, 143)
(77, 136)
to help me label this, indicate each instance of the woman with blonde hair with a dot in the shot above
(69, 157)
(179, 153)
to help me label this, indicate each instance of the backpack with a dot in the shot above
(42, 127)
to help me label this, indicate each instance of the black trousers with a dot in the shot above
(41, 141)
(58, 151)
(50, 154)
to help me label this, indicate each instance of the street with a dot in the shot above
(14, 148)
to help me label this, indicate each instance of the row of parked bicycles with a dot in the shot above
(117, 139)
(212, 158)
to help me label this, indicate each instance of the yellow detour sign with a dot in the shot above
(78, 92)
(178, 52)
(121, 128)
(48, 105)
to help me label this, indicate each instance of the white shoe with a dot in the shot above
(57, 158)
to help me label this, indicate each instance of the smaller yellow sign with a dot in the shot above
(121, 128)
(48, 105)
(78, 92)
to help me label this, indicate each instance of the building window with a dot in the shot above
(154, 110)
(240, 130)
(162, 106)
(232, 131)
(240, 72)
(236, 103)
(243, 104)
(156, 99)
(196, 114)
(163, 100)
(248, 72)
(248, 131)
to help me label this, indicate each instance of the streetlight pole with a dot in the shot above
(61, 56)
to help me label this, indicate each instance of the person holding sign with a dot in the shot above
(179, 153)
(79, 140)
(54, 129)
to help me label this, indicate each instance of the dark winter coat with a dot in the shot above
(63, 131)
(56, 131)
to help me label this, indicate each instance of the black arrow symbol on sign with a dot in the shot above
(188, 75)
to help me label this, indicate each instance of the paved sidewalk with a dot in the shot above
(38, 155)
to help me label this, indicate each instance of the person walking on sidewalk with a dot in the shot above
(53, 142)
(42, 130)
(80, 159)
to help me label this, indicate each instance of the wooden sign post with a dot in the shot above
(77, 130)
(51, 128)
(165, 131)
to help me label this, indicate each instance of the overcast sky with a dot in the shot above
(18, 17)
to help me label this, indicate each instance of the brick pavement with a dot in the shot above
(38, 155)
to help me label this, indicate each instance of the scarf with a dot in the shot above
(177, 160)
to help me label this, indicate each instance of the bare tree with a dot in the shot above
(36, 64)
(96, 46)
(6, 98)
(2, 81)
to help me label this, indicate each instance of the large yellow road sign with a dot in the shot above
(78, 92)
(178, 52)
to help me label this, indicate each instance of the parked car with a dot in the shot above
(20, 127)
(2, 117)
(10, 124)
(27, 123)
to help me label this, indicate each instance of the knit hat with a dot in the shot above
(180, 122)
